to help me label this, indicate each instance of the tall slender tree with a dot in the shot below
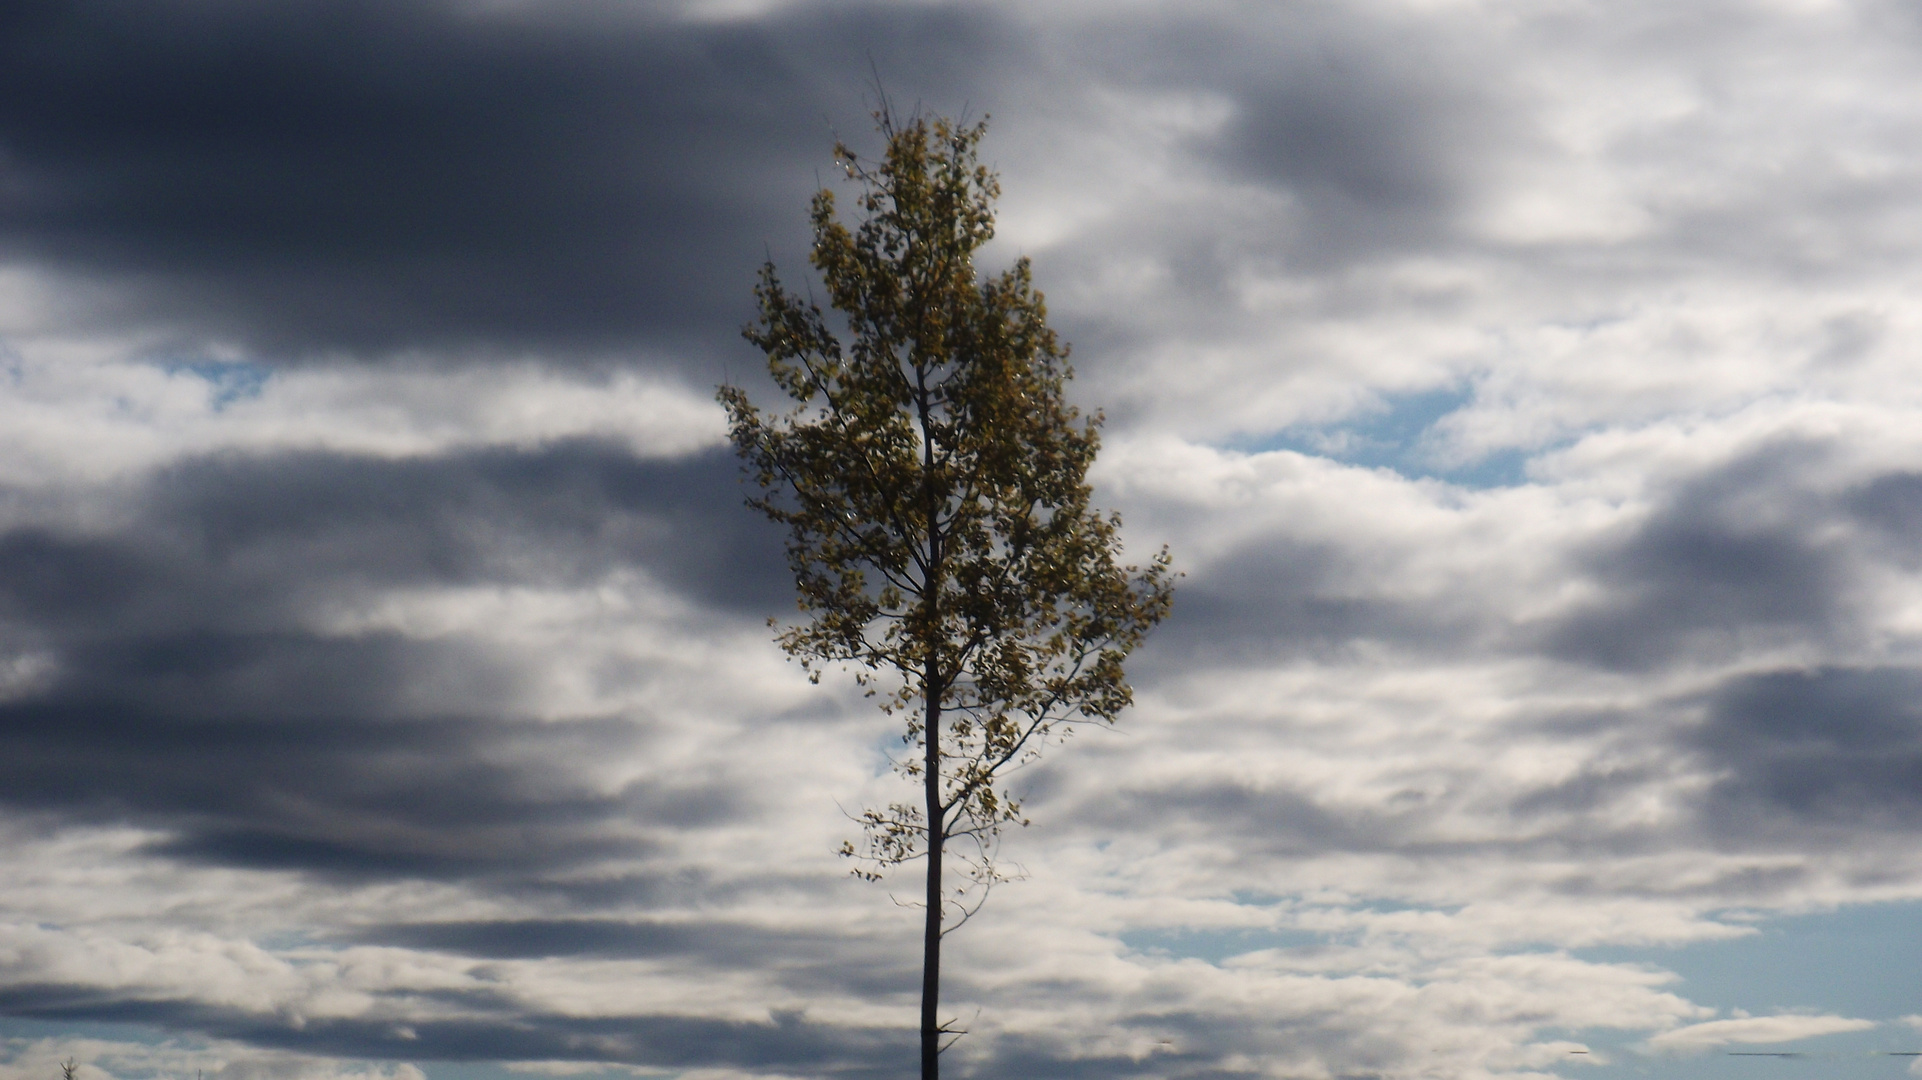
(933, 481)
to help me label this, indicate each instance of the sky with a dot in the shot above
(1524, 387)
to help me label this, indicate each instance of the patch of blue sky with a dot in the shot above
(887, 752)
(1624, 1055)
(227, 381)
(1863, 961)
(1399, 434)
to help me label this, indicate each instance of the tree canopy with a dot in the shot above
(933, 481)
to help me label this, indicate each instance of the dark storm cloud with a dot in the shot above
(1371, 127)
(372, 176)
(1268, 596)
(841, 960)
(228, 541)
(189, 696)
(1835, 747)
(1344, 108)
(1262, 821)
(564, 513)
(302, 779)
(732, 945)
(1268, 820)
(594, 179)
(497, 1030)
(1791, 754)
(1274, 597)
(1747, 548)
(1891, 507)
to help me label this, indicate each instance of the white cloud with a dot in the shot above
(80, 419)
(1759, 1030)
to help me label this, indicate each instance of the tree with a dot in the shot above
(933, 481)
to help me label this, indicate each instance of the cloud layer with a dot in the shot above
(384, 677)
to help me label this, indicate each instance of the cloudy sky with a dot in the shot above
(1525, 387)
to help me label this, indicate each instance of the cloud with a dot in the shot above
(29, 1059)
(788, 1040)
(250, 540)
(186, 675)
(1696, 1038)
(383, 673)
(377, 178)
(1827, 748)
(1736, 551)
(335, 794)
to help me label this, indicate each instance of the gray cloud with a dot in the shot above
(227, 541)
(1744, 548)
(1463, 701)
(190, 695)
(1831, 748)
(1891, 507)
(1268, 598)
(732, 944)
(1368, 124)
(877, 965)
(309, 781)
(1276, 597)
(498, 1030)
(370, 177)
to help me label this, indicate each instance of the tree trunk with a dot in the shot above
(931, 946)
